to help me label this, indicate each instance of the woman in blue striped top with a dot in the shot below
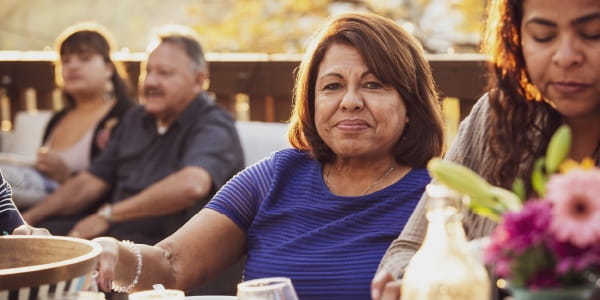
(365, 122)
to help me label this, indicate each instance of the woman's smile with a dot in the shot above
(353, 125)
(569, 87)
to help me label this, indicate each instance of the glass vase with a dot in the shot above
(444, 268)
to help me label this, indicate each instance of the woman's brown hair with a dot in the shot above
(395, 58)
(91, 37)
(520, 122)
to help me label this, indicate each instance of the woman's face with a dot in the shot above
(355, 113)
(561, 47)
(84, 73)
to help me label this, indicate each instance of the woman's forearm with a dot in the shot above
(154, 267)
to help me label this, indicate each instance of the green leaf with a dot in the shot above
(532, 261)
(538, 177)
(507, 199)
(558, 148)
(489, 212)
(518, 187)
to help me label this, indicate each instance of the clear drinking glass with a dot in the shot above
(272, 288)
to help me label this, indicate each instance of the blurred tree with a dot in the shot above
(272, 26)
(473, 12)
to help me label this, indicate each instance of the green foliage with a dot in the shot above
(528, 264)
(474, 15)
(486, 200)
(558, 148)
(539, 177)
(271, 26)
(518, 187)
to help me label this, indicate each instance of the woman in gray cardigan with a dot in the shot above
(545, 71)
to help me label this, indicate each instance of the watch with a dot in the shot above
(105, 211)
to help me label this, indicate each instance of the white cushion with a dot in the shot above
(260, 139)
(26, 137)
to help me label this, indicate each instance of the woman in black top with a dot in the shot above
(96, 97)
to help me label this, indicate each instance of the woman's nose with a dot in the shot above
(352, 100)
(568, 53)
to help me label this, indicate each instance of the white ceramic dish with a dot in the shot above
(211, 298)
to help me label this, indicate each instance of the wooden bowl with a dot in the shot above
(38, 265)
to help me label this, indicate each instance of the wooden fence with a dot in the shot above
(252, 86)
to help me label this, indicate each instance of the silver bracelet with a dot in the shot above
(138, 268)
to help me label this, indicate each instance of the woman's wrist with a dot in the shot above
(135, 275)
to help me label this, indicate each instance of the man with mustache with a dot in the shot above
(163, 163)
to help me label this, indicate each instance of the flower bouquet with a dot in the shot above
(552, 241)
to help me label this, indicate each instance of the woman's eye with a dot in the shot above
(372, 85)
(590, 30)
(591, 36)
(332, 86)
(542, 39)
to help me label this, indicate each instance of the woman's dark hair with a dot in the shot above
(395, 58)
(89, 37)
(521, 122)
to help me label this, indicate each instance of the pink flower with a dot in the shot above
(527, 227)
(576, 213)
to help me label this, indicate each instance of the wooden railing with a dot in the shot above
(252, 86)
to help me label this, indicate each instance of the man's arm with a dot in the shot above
(173, 193)
(73, 196)
(169, 195)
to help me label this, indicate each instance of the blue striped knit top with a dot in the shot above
(10, 218)
(330, 246)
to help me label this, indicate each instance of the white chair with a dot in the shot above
(260, 139)
(26, 137)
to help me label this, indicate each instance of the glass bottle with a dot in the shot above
(444, 268)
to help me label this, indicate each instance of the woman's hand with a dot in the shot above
(107, 262)
(30, 230)
(385, 287)
(51, 165)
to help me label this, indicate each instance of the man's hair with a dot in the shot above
(187, 39)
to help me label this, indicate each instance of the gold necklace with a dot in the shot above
(375, 183)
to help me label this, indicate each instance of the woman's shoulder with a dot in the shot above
(283, 160)
(416, 177)
(291, 156)
(420, 173)
(292, 153)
